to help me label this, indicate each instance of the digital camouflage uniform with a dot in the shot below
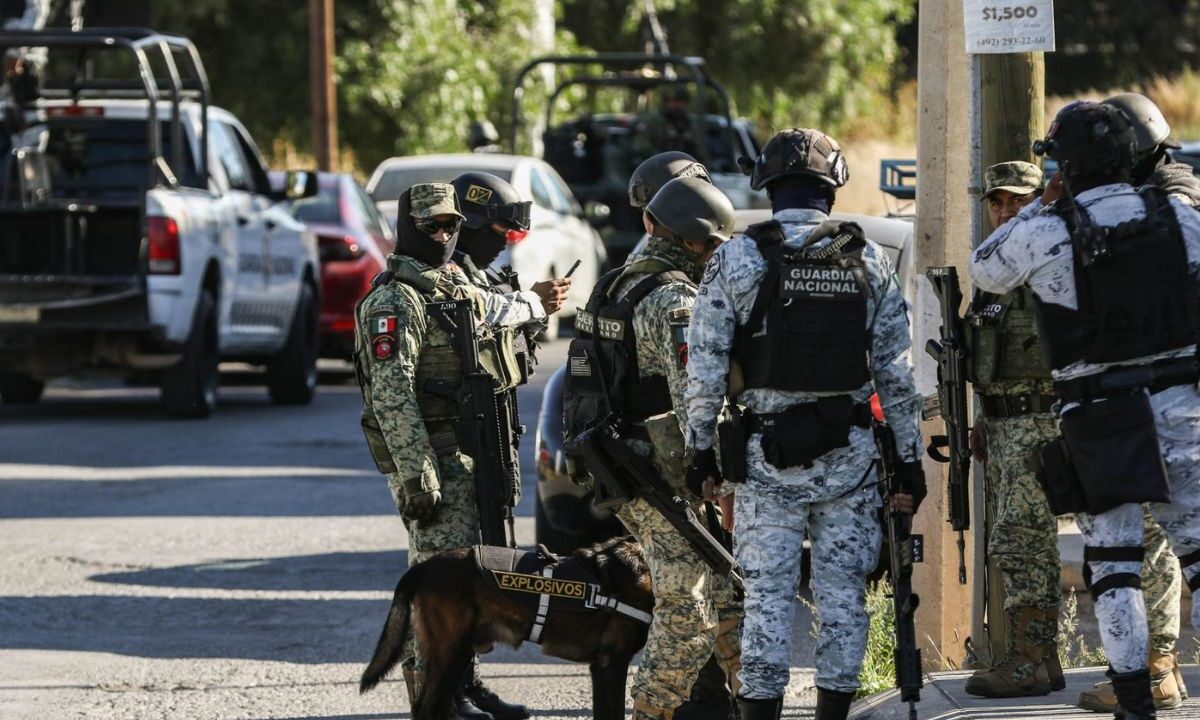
(503, 309)
(836, 500)
(695, 613)
(1034, 249)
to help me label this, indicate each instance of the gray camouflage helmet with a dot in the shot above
(656, 170)
(693, 209)
(798, 152)
(1149, 124)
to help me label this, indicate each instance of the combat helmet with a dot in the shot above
(693, 209)
(800, 152)
(1149, 124)
(486, 199)
(1090, 140)
(656, 170)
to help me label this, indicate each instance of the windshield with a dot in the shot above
(396, 180)
(324, 207)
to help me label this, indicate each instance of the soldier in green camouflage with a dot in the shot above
(399, 348)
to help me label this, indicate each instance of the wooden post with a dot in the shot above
(324, 98)
(1011, 116)
(942, 237)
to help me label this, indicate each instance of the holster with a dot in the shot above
(1113, 444)
(377, 445)
(1051, 463)
(731, 444)
(802, 433)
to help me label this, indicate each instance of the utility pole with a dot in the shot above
(942, 237)
(324, 97)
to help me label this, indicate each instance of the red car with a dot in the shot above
(353, 241)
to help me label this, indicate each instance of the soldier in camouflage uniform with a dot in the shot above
(1102, 367)
(695, 613)
(398, 348)
(811, 451)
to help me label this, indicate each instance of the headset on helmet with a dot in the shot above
(656, 170)
(797, 152)
(1090, 140)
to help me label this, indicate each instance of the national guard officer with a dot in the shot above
(1016, 392)
(813, 314)
(399, 350)
(637, 316)
(1115, 274)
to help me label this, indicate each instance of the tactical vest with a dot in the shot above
(602, 371)
(1002, 338)
(814, 304)
(1135, 294)
(524, 344)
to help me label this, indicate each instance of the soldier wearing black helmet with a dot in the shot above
(655, 171)
(1116, 275)
(812, 316)
(629, 358)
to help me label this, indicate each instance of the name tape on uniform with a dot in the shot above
(540, 585)
(807, 281)
(1008, 26)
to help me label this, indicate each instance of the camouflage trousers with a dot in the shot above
(771, 518)
(695, 613)
(1122, 611)
(455, 525)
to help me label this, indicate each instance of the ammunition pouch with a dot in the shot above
(1051, 463)
(669, 448)
(377, 444)
(1113, 444)
(731, 446)
(799, 435)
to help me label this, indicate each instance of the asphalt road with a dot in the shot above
(235, 567)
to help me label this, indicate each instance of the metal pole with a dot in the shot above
(324, 99)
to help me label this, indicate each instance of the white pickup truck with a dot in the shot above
(152, 249)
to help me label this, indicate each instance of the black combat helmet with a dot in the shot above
(1149, 124)
(798, 152)
(487, 199)
(656, 170)
(693, 209)
(1090, 141)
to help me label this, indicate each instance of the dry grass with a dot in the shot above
(1178, 97)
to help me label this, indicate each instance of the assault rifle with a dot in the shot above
(485, 427)
(904, 550)
(622, 475)
(951, 356)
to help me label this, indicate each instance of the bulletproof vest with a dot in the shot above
(813, 305)
(602, 371)
(1135, 294)
(1002, 338)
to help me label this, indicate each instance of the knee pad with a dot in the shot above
(1112, 580)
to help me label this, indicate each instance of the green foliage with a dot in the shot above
(1073, 649)
(879, 663)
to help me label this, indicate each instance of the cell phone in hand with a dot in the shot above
(572, 270)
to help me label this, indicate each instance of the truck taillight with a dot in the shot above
(163, 234)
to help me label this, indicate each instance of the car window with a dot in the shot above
(542, 195)
(565, 200)
(396, 180)
(320, 208)
(229, 154)
(257, 173)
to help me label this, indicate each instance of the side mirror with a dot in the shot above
(297, 184)
(597, 213)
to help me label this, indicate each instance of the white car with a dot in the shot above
(558, 235)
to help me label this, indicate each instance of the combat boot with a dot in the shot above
(1133, 695)
(1164, 687)
(643, 710)
(485, 699)
(710, 698)
(832, 705)
(1021, 673)
(413, 681)
(1054, 670)
(768, 709)
(464, 709)
(1183, 693)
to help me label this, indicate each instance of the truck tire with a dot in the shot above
(189, 389)
(292, 373)
(18, 389)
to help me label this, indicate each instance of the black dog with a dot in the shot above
(461, 609)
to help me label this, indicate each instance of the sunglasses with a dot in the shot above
(431, 225)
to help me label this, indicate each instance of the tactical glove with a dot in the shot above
(422, 506)
(704, 467)
(911, 476)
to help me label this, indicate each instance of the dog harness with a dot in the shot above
(549, 584)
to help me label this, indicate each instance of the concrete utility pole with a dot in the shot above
(1010, 115)
(942, 238)
(324, 97)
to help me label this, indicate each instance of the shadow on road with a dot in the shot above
(343, 571)
(372, 716)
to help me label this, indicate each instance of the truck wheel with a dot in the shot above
(189, 390)
(292, 373)
(18, 389)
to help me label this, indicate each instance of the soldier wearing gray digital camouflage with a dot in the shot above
(399, 349)
(807, 390)
(637, 318)
(1115, 272)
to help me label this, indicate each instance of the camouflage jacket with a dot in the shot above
(392, 333)
(513, 309)
(726, 296)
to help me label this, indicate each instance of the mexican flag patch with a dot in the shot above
(383, 336)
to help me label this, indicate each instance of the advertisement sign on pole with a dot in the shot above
(1009, 26)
